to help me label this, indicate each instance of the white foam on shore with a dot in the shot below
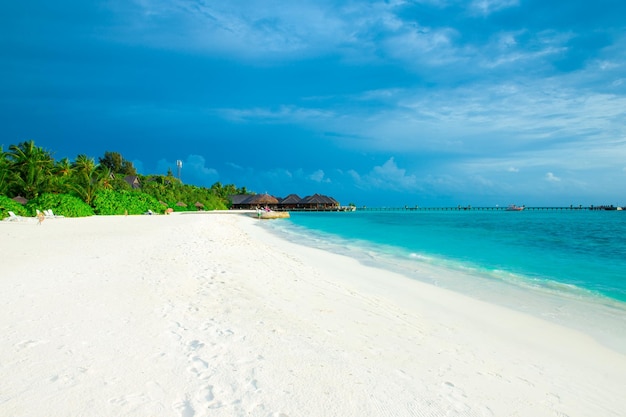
(214, 316)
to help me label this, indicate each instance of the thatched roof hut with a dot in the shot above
(199, 205)
(319, 201)
(247, 201)
(181, 204)
(262, 199)
(20, 199)
(291, 202)
(238, 199)
(291, 199)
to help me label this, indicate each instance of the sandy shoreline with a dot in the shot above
(210, 315)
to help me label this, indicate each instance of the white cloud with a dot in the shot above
(356, 177)
(279, 173)
(513, 169)
(424, 46)
(286, 114)
(552, 178)
(486, 7)
(506, 52)
(235, 166)
(318, 176)
(387, 176)
(500, 118)
(267, 30)
(197, 165)
(259, 29)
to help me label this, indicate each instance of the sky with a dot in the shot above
(376, 103)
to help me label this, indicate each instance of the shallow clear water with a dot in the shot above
(568, 267)
(576, 251)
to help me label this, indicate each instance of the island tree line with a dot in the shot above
(84, 187)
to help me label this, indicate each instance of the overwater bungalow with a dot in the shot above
(292, 202)
(319, 202)
(251, 202)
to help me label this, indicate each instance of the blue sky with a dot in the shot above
(379, 103)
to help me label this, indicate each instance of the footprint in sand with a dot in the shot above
(195, 345)
(198, 366)
(207, 393)
(29, 344)
(184, 408)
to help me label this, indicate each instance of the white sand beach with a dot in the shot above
(196, 315)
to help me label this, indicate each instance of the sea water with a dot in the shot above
(554, 263)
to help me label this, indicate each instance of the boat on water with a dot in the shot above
(513, 207)
(270, 214)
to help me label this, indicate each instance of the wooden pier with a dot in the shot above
(493, 208)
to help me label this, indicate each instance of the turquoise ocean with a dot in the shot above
(554, 263)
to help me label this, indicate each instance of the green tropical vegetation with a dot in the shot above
(60, 204)
(7, 205)
(84, 187)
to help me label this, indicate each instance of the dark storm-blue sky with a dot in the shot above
(378, 103)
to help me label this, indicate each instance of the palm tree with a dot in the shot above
(83, 164)
(4, 172)
(62, 175)
(31, 169)
(87, 178)
(106, 177)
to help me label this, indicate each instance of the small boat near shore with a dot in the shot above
(513, 207)
(270, 214)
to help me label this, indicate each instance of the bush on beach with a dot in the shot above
(111, 202)
(7, 204)
(209, 202)
(60, 204)
(213, 202)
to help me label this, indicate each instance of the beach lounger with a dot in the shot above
(49, 213)
(13, 217)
